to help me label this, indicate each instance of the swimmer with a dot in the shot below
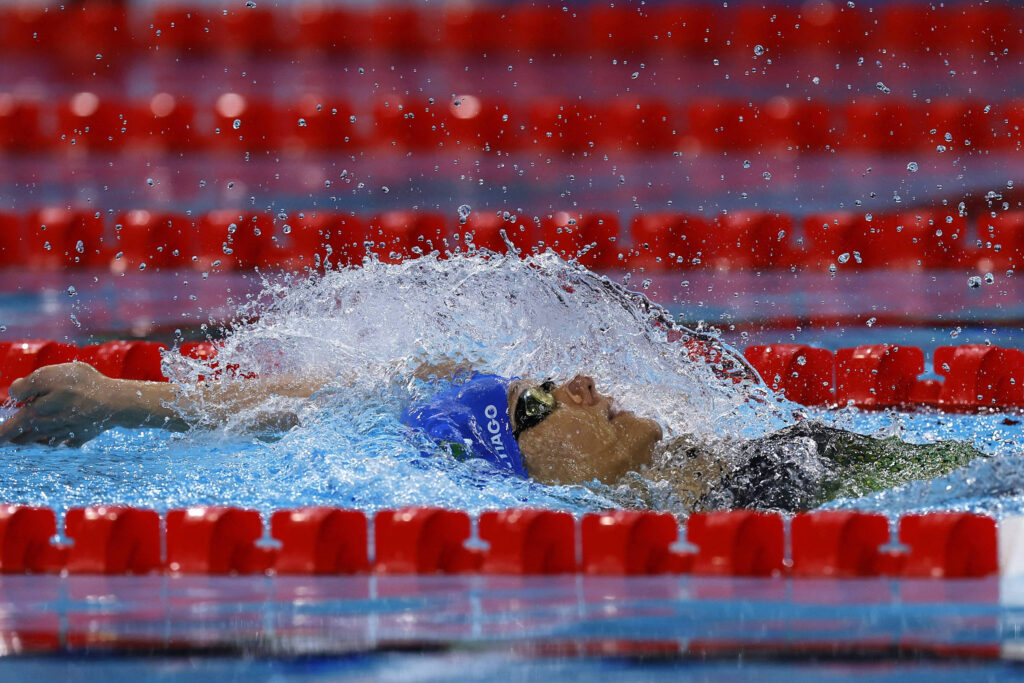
(554, 433)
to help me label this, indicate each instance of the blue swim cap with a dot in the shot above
(473, 415)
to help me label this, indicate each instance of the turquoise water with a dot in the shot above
(534, 318)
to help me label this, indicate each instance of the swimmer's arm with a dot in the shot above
(73, 403)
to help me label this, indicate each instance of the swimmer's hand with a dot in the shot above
(69, 403)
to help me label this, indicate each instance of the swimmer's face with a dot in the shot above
(584, 438)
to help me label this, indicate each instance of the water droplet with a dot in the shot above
(940, 148)
(759, 50)
(844, 257)
(231, 184)
(948, 137)
(385, 189)
(767, 175)
(636, 75)
(142, 266)
(236, 124)
(912, 167)
(327, 183)
(99, 56)
(850, 4)
(118, 255)
(150, 182)
(80, 247)
(71, 290)
(464, 211)
(883, 87)
(989, 278)
(871, 321)
(974, 282)
(250, 4)
(815, 81)
(302, 123)
(988, 108)
(286, 229)
(746, 163)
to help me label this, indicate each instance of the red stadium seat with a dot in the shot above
(544, 30)
(640, 125)
(244, 123)
(315, 124)
(484, 230)
(175, 30)
(153, 240)
(398, 235)
(751, 239)
(329, 29)
(880, 125)
(475, 30)
(1011, 114)
(482, 124)
(832, 239)
(563, 126)
(1002, 240)
(688, 29)
(726, 124)
(986, 29)
(590, 238)
(776, 28)
(913, 28)
(797, 125)
(94, 33)
(64, 238)
(312, 239)
(87, 121)
(20, 126)
(915, 239)
(619, 30)
(832, 28)
(232, 239)
(660, 241)
(30, 28)
(964, 120)
(168, 122)
(246, 30)
(11, 225)
(397, 29)
(410, 123)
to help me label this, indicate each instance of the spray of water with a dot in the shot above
(369, 328)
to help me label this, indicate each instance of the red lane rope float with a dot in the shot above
(977, 377)
(230, 239)
(321, 540)
(876, 376)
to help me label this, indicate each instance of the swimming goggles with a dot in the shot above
(533, 406)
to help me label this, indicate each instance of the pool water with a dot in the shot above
(535, 318)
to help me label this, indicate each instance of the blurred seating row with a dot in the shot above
(312, 123)
(83, 31)
(57, 238)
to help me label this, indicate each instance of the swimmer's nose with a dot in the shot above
(582, 387)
